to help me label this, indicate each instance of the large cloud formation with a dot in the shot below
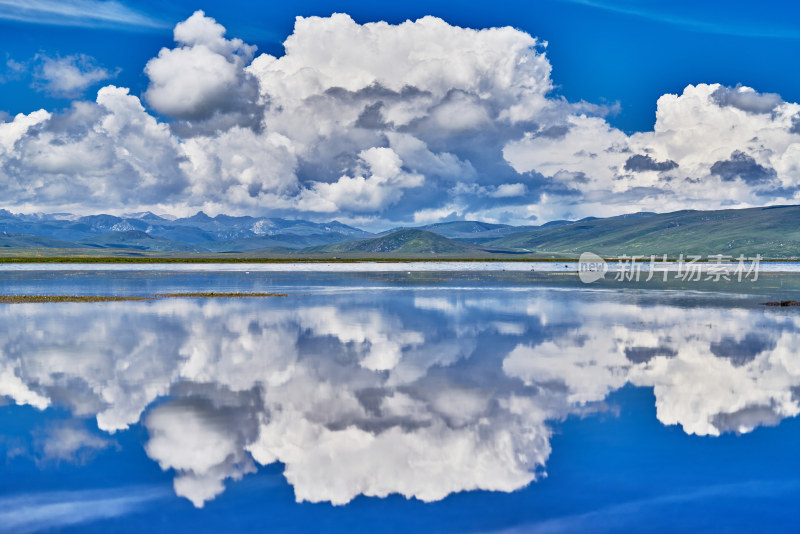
(424, 394)
(383, 123)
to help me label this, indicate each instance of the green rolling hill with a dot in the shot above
(773, 232)
(475, 232)
(137, 240)
(11, 240)
(401, 243)
(288, 241)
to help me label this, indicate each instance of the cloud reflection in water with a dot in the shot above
(421, 392)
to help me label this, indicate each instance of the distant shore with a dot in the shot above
(157, 259)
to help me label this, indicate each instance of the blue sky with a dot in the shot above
(602, 51)
(619, 57)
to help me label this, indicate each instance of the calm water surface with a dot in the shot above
(398, 402)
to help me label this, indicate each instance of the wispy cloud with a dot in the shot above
(82, 13)
(13, 70)
(68, 441)
(68, 76)
(46, 511)
(750, 29)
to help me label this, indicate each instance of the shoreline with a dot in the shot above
(229, 260)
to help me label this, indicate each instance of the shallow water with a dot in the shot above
(397, 402)
(370, 266)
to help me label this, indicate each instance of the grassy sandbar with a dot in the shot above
(26, 299)
(214, 294)
(39, 299)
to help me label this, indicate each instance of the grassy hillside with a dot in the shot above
(474, 232)
(138, 240)
(772, 232)
(452, 228)
(9, 240)
(287, 241)
(402, 242)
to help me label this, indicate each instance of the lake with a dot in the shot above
(397, 400)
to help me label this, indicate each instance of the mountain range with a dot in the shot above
(150, 232)
(773, 232)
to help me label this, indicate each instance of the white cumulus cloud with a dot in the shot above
(386, 123)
